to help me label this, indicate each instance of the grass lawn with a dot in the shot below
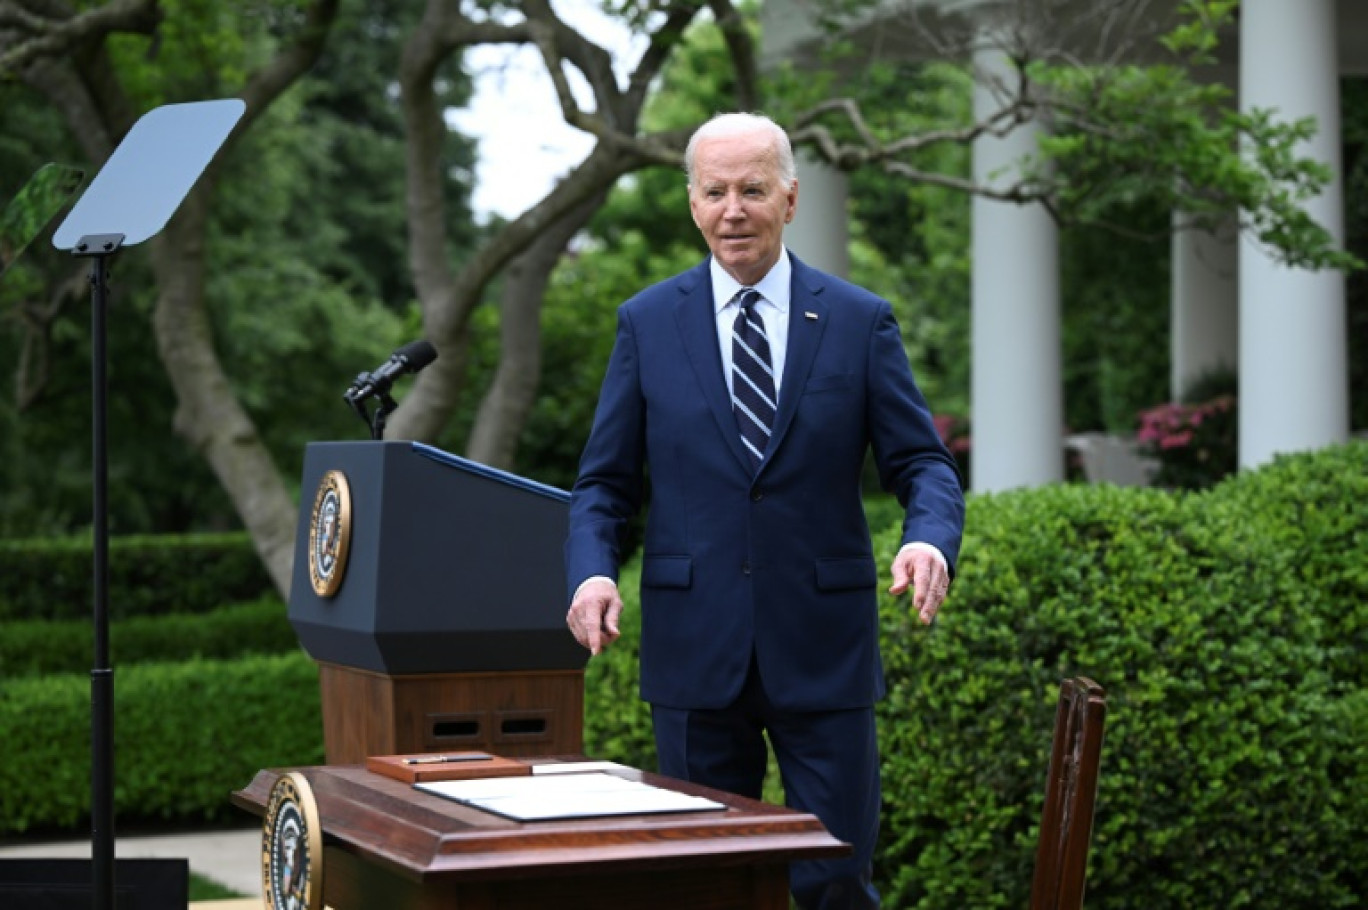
(203, 889)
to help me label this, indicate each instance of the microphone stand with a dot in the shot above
(358, 404)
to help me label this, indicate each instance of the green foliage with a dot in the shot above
(40, 647)
(1195, 38)
(185, 736)
(1229, 628)
(1222, 767)
(1114, 296)
(309, 262)
(26, 215)
(45, 407)
(307, 280)
(1315, 509)
(1123, 134)
(910, 243)
(579, 323)
(53, 579)
(910, 240)
(1354, 93)
(909, 237)
(617, 723)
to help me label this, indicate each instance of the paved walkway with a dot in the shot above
(232, 858)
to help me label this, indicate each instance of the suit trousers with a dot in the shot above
(828, 763)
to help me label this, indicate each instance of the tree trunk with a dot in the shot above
(208, 415)
(508, 402)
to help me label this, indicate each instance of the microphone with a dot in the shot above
(410, 358)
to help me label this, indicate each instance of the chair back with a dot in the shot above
(1070, 794)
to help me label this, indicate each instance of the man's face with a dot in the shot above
(740, 203)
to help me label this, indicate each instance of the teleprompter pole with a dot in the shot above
(131, 199)
(99, 248)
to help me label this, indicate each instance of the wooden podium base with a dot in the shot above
(521, 713)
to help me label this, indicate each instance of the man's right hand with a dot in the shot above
(593, 616)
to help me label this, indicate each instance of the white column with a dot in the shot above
(1204, 331)
(820, 234)
(1294, 385)
(1017, 392)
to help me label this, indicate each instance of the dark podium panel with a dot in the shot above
(388, 845)
(447, 625)
(451, 566)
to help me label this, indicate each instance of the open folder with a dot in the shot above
(561, 796)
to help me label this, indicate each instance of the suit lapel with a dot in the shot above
(804, 337)
(698, 330)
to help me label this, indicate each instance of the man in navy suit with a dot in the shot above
(758, 579)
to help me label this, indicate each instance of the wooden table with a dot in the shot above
(387, 845)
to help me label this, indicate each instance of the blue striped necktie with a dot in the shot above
(753, 398)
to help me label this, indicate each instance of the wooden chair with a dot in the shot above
(1070, 793)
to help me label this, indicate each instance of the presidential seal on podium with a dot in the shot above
(292, 847)
(330, 533)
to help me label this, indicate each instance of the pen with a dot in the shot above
(440, 759)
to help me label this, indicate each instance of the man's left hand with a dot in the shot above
(926, 575)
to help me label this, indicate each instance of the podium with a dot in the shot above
(430, 591)
(386, 844)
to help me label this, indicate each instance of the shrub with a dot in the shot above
(617, 723)
(34, 648)
(1220, 771)
(46, 579)
(1315, 508)
(185, 736)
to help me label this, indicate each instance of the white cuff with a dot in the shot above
(595, 578)
(930, 548)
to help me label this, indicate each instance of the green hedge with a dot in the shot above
(1228, 628)
(185, 736)
(38, 647)
(47, 579)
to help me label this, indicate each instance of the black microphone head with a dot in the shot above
(417, 354)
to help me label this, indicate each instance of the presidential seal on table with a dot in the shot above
(292, 847)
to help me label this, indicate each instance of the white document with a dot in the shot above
(559, 796)
(578, 767)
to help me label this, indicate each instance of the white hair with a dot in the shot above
(740, 124)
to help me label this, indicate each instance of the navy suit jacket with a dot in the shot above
(776, 563)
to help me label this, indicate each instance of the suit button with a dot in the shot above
(757, 496)
(745, 568)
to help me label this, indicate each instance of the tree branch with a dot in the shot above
(43, 38)
(742, 49)
(268, 83)
(873, 150)
(663, 42)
